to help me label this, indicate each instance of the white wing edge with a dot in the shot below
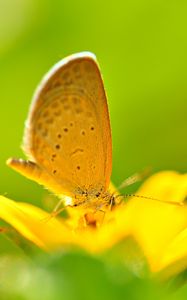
(57, 66)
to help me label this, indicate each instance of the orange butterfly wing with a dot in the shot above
(68, 132)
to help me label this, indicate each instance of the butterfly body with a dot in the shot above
(93, 199)
(67, 135)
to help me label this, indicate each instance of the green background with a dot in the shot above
(141, 46)
(142, 50)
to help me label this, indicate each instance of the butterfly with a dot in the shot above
(67, 136)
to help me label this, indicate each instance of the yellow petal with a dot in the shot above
(156, 224)
(174, 259)
(159, 227)
(35, 224)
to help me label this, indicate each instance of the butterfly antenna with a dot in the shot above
(151, 198)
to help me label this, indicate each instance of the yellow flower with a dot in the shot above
(159, 228)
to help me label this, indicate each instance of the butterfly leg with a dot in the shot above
(55, 212)
(134, 178)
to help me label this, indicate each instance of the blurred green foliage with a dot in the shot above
(76, 276)
(141, 46)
